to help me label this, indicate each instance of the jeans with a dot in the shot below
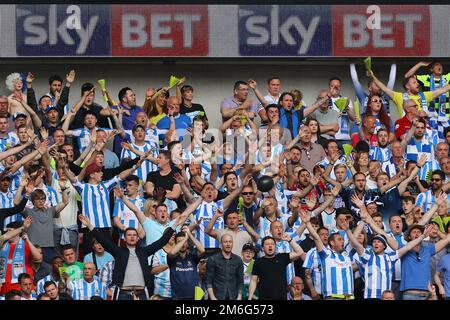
(126, 295)
(396, 289)
(73, 238)
(415, 296)
(48, 254)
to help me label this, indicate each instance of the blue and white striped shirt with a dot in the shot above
(7, 201)
(147, 166)
(263, 227)
(391, 168)
(83, 290)
(426, 200)
(380, 154)
(9, 141)
(337, 272)
(397, 264)
(285, 247)
(378, 272)
(312, 262)
(127, 217)
(95, 201)
(40, 284)
(162, 279)
(206, 210)
(416, 148)
(83, 136)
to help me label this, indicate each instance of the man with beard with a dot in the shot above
(381, 152)
(233, 222)
(435, 78)
(412, 88)
(337, 272)
(359, 181)
(333, 158)
(420, 143)
(428, 198)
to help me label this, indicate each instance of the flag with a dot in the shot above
(368, 63)
(341, 103)
(250, 267)
(347, 149)
(102, 84)
(173, 81)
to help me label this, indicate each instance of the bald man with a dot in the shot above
(84, 289)
(182, 121)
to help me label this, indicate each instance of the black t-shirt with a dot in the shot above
(195, 107)
(272, 276)
(78, 120)
(167, 182)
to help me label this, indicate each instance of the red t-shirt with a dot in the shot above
(373, 139)
(314, 193)
(402, 126)
(7, 285)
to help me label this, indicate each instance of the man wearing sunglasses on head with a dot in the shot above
(437, 184)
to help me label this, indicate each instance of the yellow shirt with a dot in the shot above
(154, 120)
(398, 100)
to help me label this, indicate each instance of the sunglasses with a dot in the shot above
(418, 256)
(376, 100)
(437, 180)
(247, 193)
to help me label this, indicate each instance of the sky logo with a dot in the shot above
(47, 30)
(284, 30)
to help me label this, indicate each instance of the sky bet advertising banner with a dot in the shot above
(223, 30)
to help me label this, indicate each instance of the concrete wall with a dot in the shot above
(213, 79)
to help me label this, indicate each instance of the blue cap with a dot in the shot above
(19, 114)
(50, 107)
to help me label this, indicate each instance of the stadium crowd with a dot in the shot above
(285, 200)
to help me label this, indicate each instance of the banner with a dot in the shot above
(62, 30)
(158, 30)
(402, 31)
(224, 31)
(284, 30)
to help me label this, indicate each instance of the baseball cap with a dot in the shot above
(138, 126)
(381, 238)
(249, 246)
(49, 108)
(19, 114)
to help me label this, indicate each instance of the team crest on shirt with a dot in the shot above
(9, 195)
(101, 189)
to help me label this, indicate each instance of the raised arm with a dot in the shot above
(365, 216)
(312, 232)
(37, 123)
(37, 255)
(381, 85)
(440, 91)
(105, 241)
(353, 241)
(358, 88)
(298, 251)
(392, 74)
(252, 84)
(65, 201)
(411, 244)
(409, 135)
(11, 234)
(209, 229)
(314, 106)
(335, 191)
(416, 67)
(139, 214)
(253, 234)
(233, 195)
(420, 163)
